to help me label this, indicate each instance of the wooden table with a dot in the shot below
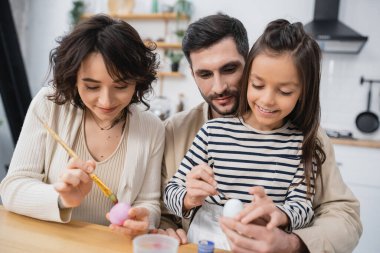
(20, 234)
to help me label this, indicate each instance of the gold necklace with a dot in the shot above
(103, 128)
(119, 118)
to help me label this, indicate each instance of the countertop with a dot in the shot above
(19, 234)
(356, 142)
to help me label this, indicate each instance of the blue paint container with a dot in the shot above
(205, 246)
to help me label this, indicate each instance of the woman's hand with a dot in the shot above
(262, 207)
(178, 234)
(75, 183)
(136, 224)
(200, 184)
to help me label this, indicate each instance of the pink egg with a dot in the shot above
(119, 213)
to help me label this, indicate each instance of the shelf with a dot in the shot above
(169, 74)
(144, 16)
(165, 45)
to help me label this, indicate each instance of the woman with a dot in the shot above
(101, 70)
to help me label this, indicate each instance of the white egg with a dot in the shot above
(232, 207)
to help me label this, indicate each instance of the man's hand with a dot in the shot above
(248, 238)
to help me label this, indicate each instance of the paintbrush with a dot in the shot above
(223, 194)
(109, 194)
(218, 190)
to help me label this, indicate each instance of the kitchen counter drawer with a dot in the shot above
(360, 169)
(358, 165)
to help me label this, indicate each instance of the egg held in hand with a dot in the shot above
(119, 213)
(232, 207)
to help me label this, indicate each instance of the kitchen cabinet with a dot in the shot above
(360, 169)
(359, 165)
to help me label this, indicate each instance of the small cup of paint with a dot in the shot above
(205, 246)
(155, 243)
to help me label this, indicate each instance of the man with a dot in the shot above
(216, 47)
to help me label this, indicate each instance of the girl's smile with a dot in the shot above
(265, 111)
(273, 91)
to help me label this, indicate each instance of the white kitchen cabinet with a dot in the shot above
(360, 169)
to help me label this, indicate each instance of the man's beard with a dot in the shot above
(227, 93)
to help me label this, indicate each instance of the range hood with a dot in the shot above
(332, 35)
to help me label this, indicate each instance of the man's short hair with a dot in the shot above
(211, 29)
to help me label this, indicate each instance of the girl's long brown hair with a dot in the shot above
(282, 37)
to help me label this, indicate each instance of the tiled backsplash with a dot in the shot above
(342, 96)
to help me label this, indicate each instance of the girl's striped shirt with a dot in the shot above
(242, 157)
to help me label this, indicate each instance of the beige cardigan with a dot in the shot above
(336, 226)
(38, 159)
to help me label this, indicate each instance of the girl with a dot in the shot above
(271, 143)
(101, 70)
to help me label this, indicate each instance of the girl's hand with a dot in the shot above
(262, 207)
(75, 183)
(200, 184)
(136, 224)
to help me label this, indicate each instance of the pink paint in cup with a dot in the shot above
(155, 243)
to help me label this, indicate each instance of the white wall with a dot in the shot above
(342, 97)
(47, 20)
(37, 29)
(40, 22)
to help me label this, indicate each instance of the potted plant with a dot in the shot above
(76, 12)
(183, 7)
(175, 58)
(180, 33)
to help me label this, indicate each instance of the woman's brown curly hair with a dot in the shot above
(124, 53)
